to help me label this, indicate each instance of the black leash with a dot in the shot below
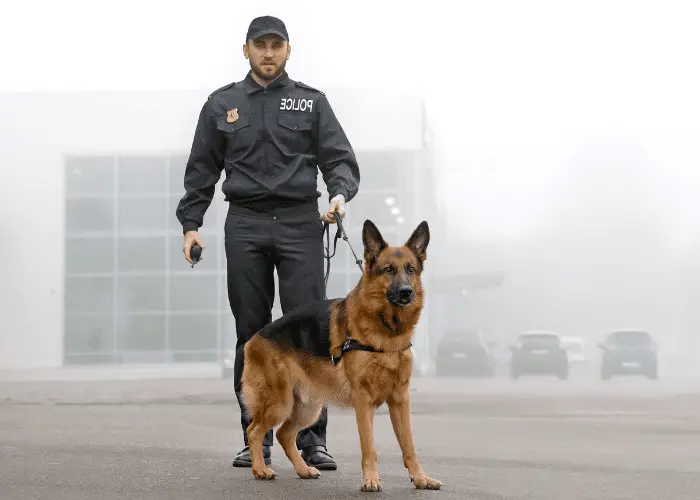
(338, 234)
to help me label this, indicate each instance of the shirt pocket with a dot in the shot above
(295, 131)
(236, 134)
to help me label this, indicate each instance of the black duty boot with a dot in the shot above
(243, 457)
(318, 456)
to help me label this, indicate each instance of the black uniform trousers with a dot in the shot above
(289, 239)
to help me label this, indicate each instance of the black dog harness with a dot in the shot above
(353, 345)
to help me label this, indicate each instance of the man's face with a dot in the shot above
(268, 56)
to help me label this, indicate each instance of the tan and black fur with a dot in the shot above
(286, 384)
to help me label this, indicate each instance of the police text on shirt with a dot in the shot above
(296, 104)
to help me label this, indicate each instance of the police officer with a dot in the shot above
(269, 133)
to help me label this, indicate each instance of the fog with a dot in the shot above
(551, 146)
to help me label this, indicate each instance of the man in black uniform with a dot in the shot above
(269, 133)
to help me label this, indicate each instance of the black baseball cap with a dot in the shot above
(267, 25)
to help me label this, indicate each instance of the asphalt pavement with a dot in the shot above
(485, 439)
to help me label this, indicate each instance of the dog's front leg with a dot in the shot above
(364, 412)
(400, 413)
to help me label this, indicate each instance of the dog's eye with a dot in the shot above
(410, 269)
(389, 269)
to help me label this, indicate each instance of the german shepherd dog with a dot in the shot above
(351, 352)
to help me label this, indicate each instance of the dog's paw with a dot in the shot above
(264, 473)
(309, 473)
(371, 484)
(426, 483)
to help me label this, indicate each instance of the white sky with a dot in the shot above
(514, 88)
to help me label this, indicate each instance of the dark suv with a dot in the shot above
(539, 353)
(464, 353)
(629, 352)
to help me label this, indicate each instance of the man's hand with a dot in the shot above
(337, 203)
(191, 237)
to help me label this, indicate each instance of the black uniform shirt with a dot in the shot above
(270, 141)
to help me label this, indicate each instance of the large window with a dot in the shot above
(129, 294)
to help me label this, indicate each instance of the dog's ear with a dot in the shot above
(373, 241)
(418, 242)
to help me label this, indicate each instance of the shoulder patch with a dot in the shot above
(220, 89)
(308, 87)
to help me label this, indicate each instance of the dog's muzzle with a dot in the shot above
(401, 296)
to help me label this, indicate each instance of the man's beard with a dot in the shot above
(268, 77)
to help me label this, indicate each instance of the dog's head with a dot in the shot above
(395, 272)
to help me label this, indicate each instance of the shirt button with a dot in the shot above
(274, 217)
(295, 127)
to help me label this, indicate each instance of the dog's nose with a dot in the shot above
(405, 292)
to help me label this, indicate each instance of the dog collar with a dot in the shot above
(388, 327)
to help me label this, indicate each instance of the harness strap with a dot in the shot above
(353, 345)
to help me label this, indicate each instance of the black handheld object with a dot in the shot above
(195, 254)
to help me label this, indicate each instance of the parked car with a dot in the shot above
(629, 352)
(539, 353)
(464, 353)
